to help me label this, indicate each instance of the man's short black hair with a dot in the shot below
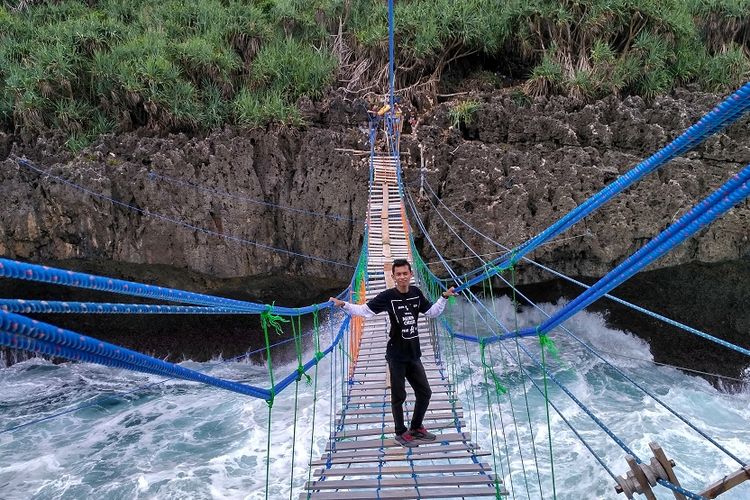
(400, 263)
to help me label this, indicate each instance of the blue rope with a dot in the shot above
(137, 389)
(53, 306)
(630, 305)
(727, 200)
(27, 164)
(153, 175)
(680, 489)
(19, 332)
(620, 372)
(34, 272)
(703, 213)
(476, 301)
(722, 115)
(719, 202)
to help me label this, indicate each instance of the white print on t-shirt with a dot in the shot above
(406, 315)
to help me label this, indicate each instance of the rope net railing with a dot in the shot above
(333, 346)
(539, 360)
(734, 191)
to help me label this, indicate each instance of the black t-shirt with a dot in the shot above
(403, 310)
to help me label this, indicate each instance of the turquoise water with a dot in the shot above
(181, 440)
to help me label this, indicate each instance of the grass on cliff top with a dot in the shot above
(90, 68)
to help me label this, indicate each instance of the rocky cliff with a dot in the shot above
(519, 167)
(514, 169)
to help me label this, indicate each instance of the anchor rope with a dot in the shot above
(148, 213)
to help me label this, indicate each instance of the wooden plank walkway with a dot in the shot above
(362, 460)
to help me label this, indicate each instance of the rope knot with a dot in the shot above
(301, 373)
(267, 318)
(547, 344)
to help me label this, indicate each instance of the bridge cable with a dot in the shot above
(590, 349)
(551, 376)
(27, 164)
(523, 375)
(712, 122)
(630, 305)
(173, 180)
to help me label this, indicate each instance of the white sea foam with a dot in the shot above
(183, 440)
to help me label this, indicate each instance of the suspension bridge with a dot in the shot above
(361, 460)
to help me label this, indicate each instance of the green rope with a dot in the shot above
(471, 378)
(523, 382)
(297, 332)
(485, 369)
(545, 344)
(267, 318)
(318, 355)
(268, 444)
(315, 390)
(513, 417)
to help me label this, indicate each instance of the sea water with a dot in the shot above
(174, 439)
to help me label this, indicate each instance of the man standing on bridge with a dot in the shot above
(404, 302)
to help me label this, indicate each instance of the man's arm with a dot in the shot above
(438, 307)
(353, 309)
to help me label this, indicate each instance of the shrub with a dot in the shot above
(255, 109)
(462, 113)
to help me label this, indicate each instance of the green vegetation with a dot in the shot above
(462, 113)
(87, 68)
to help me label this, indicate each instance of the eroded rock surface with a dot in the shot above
(514, 170)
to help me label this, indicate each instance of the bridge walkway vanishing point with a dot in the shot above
(364, 461)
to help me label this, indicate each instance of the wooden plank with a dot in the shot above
(661, 457)
(467, 492)
(379, 410)
(429, 417)
(376, 386)
(403, 457)
(403, 469)
(380, 389)
(728, 482)
(389, 430)
(435, 449)
(366, 400)
(366, 444)
(419, 482)
(378, 365)
(367, 417)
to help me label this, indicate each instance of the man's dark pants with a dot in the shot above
(413, 371)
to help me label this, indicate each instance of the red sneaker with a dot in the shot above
(422, 434)
(406, 439)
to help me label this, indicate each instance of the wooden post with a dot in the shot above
(667, 466)
(640, 477)
(727, 483)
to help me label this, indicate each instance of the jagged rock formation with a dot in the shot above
(515, 169)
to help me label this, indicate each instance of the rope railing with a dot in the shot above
(719, 202)
(20, 332)
(625, 303)
(476, 304)
(587, 347)
(46, 274)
